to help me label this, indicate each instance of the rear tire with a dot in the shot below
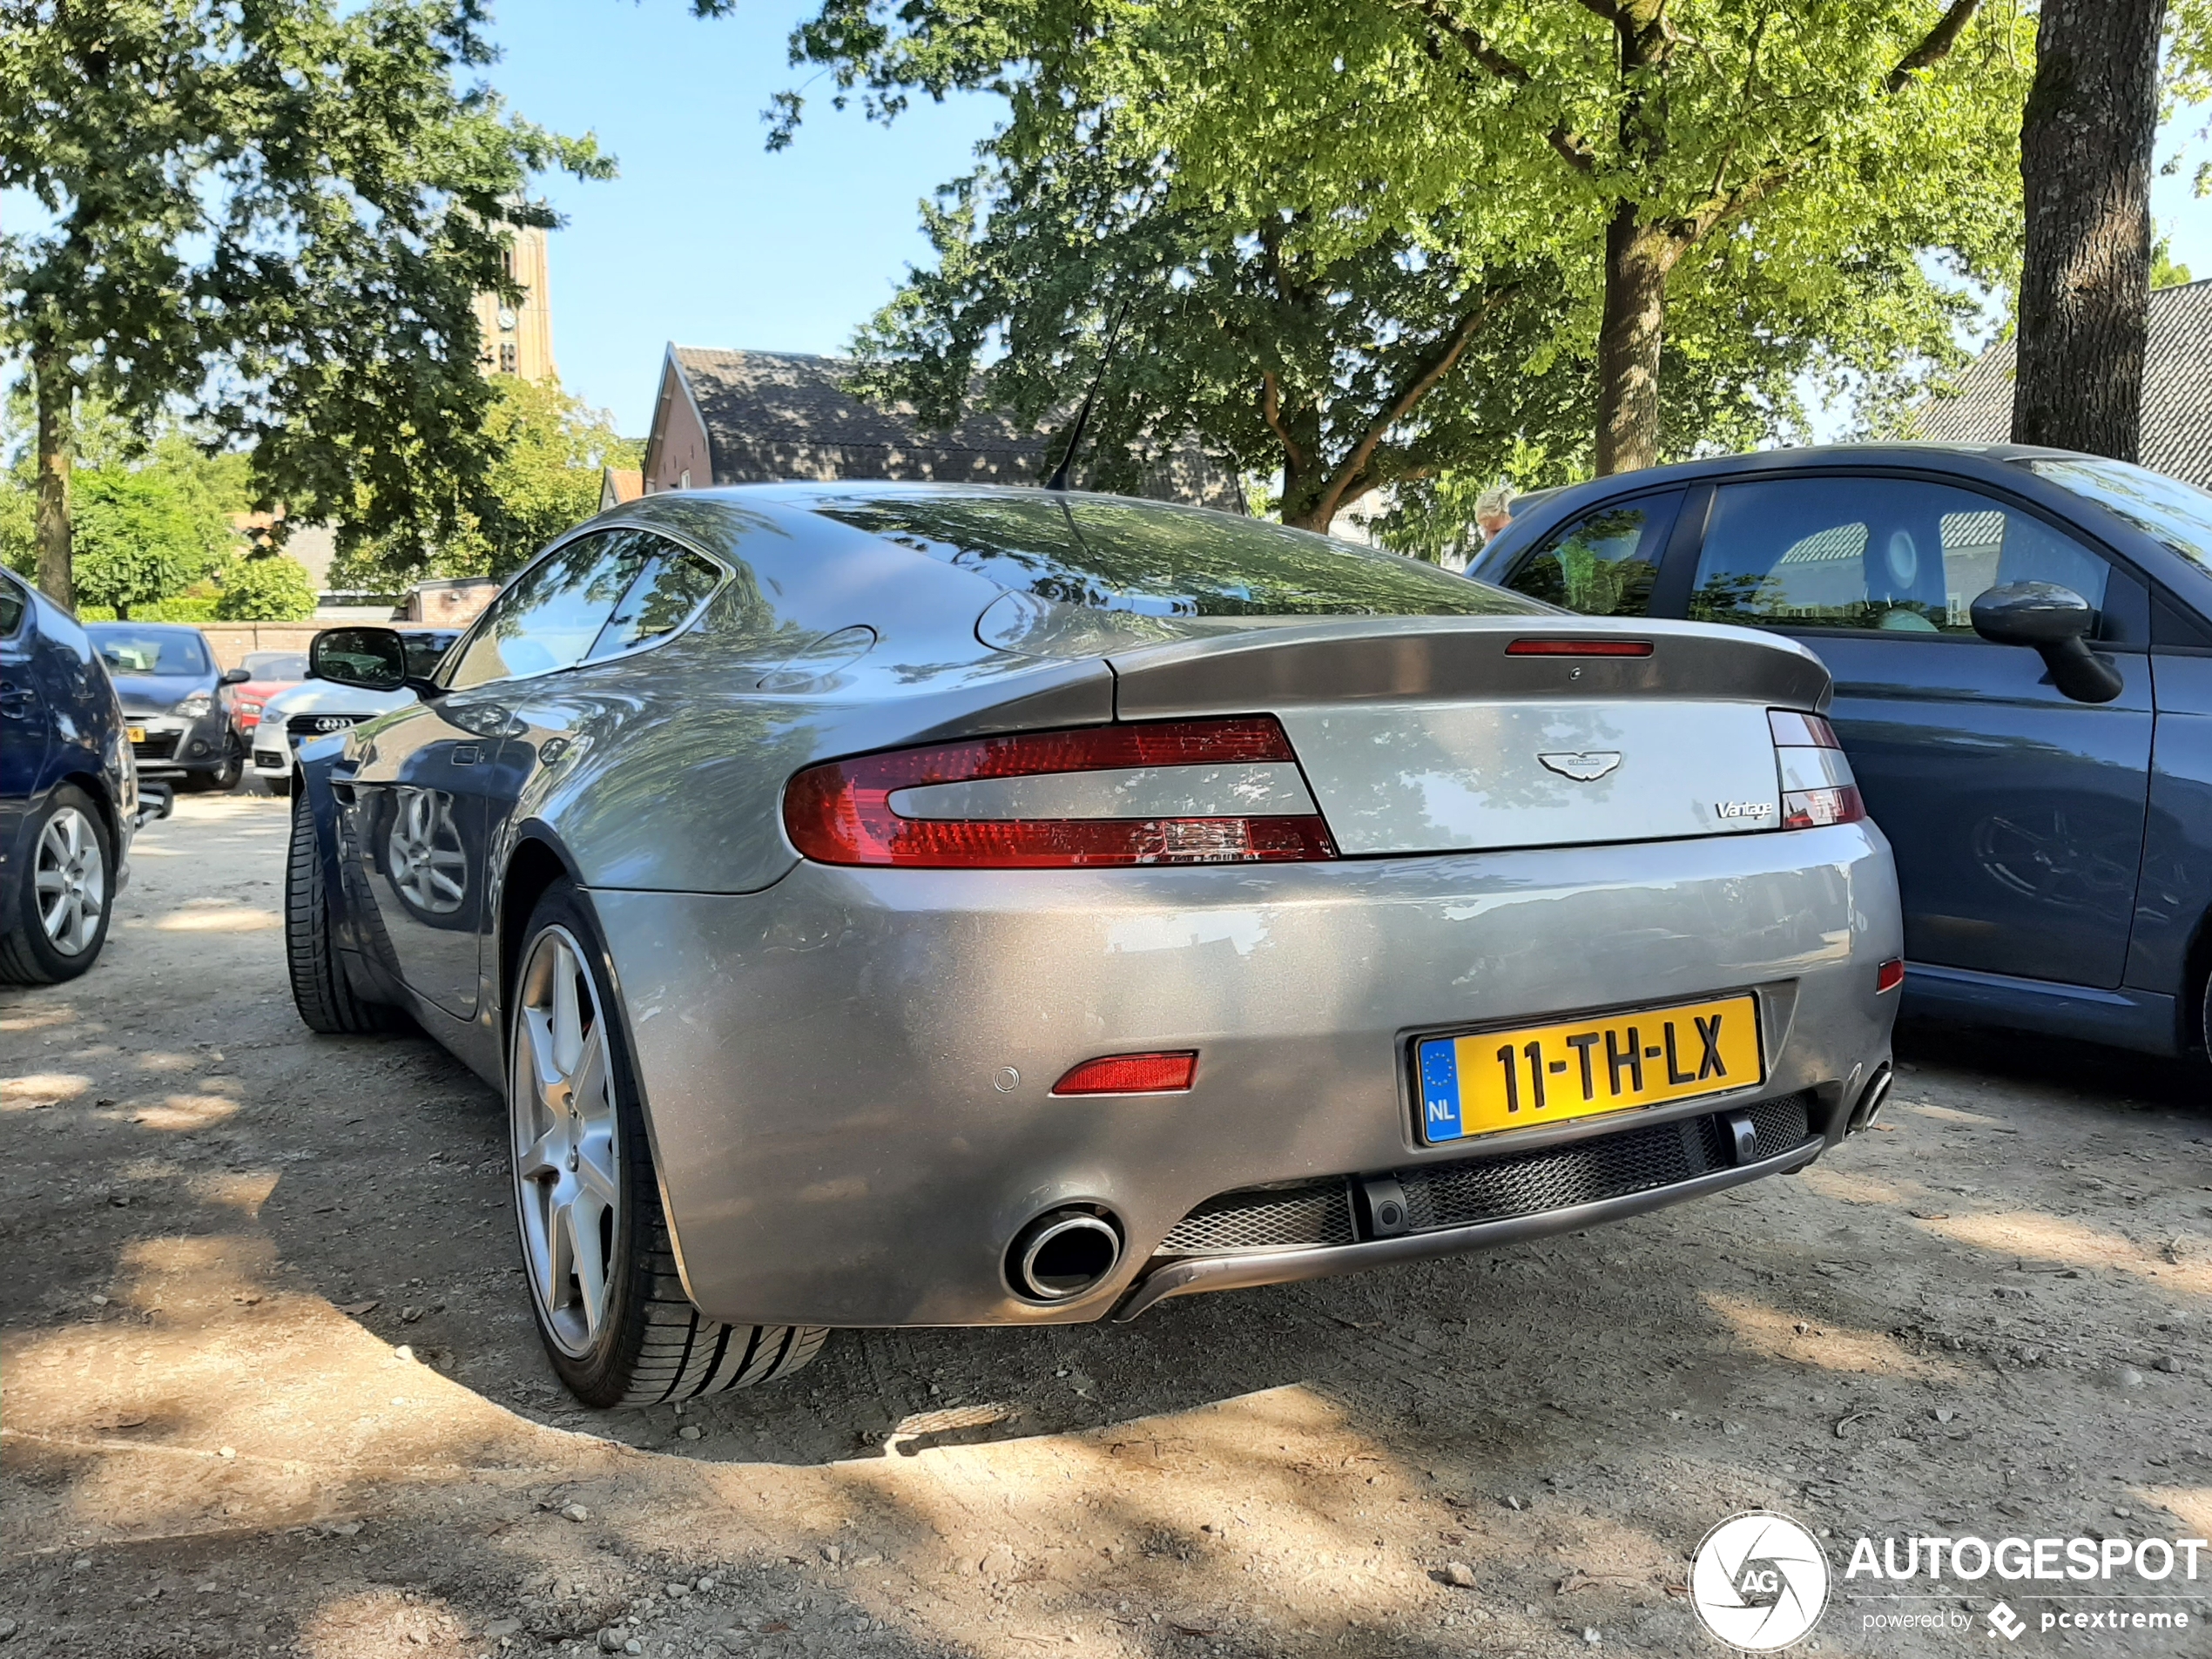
(65, 893)
(608, 1303)
(320, 991)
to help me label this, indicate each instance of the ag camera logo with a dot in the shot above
(1759, 1581)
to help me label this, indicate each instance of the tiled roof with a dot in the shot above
(773, 416)
(2178, 390)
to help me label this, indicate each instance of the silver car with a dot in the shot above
(889, 905)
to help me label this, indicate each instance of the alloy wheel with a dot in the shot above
(568, 1156)
(70, 882)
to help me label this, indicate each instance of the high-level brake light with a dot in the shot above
(840, 813)
(1543, 647)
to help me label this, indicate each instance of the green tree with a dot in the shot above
(279, 213)
(1784, 171)
(266, 587)
(547, 449)
(137, 538)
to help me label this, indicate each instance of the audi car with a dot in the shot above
(315, 708)
(926, 905)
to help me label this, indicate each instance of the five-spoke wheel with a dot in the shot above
(68, 886)
(604, 1282)
(568, 1146)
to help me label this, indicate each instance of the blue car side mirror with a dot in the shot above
(2055, 622)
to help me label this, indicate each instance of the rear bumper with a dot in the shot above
(849, 1076)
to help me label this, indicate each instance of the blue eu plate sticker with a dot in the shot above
(1440, 1090)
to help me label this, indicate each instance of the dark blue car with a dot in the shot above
(2021, 643)
(69, 791)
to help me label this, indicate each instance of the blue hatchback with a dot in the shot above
(69, 791)
(2021, 643)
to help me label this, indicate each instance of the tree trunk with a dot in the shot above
(1637, 260)
(57, 448)
(2086, 143)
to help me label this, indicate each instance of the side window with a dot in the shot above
(673, 584)
(1602, 564)
(13, 605)
(1896, 555)
(553, 611)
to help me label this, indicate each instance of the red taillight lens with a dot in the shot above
(1817, 808)
(1793, 730)
(1889, 975)
(1131, 1074)
(840, 813)
(1579, 648)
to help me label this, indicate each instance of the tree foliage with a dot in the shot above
(279, 212)
(1711, 194)
(547, 449)
(266, 587)
(138, 538)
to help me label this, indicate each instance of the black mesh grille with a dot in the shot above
(1477, 1189)
(1266, 1218)
(156, 746)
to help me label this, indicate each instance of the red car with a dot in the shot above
(273, 671)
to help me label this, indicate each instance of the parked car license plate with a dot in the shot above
(135, 733)
(1548, 1073)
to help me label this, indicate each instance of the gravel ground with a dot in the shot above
(271, 1384)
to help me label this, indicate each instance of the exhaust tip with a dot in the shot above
(1871, 1103)
(1064, 1254)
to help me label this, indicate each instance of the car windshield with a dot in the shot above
(426, 650)
(276, 664)
(2167, 510)
(126, 649)
(1152, 559)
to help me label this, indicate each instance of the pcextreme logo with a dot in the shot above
(1759, 1581)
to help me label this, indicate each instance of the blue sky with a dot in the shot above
(705, 239)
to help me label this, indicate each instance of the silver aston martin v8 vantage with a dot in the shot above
(893, 904)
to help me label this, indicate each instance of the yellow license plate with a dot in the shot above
(137, 733)
(1548, 1073)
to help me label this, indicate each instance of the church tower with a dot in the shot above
(518, 339)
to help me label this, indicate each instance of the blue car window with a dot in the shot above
(13, 605)
(1898, 556)
(549, 616)
(2176, 514)
(1601, 564)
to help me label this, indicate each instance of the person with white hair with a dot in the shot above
(1494, 511)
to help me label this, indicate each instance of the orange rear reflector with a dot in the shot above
(1131, 1074)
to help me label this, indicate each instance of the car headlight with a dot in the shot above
(195, 706)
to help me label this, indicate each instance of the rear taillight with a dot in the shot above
(842, 812)
(1817, 789)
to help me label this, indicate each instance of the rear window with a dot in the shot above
(1105, 553)
(126, 649)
